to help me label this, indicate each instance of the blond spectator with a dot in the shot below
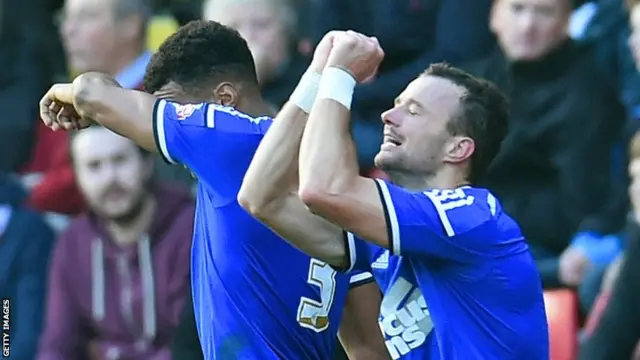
(110, 36)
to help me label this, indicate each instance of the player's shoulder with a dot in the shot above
(464, 209)
(228, 111)
(208, 114)
(185, 114)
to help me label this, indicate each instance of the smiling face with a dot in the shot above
(417, 139)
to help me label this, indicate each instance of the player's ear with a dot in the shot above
(459, 149)
(226, 94)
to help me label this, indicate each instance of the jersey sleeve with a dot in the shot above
(456, 224)
(360, 254)
(360, 278)
(185, 133)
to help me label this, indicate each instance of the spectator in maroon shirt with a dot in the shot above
(120, 272)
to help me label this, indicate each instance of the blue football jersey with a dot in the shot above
(255, 296)
(459, 282)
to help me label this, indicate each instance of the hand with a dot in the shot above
(57, 110)
(358, 54)
(322, 51)
(574, 264)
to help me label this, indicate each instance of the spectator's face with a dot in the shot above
(89, 34)
(529, 29)
(634, 40)
(111, 173)
(260, 25)
(415, 130)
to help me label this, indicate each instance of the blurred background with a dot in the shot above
(84, 284)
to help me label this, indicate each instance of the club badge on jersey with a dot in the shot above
(183, 111)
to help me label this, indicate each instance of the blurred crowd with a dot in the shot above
(95, 233)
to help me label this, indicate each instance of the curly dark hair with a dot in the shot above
(198, 56)
(483, 116)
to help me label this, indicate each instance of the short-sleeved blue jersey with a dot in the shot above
(458, 280)
(255, 296)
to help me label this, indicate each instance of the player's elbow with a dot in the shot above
(249, 203)
(322, 195)
(257, 206)
(315, 199)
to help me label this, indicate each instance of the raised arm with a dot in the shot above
(269, 193)
(329, 181)
(429, 223)
(203, 137)
(96, 97)
(269, 189)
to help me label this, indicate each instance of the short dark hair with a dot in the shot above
(483, 116)
(200, 55)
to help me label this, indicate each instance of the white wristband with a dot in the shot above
(304, 95)
(337, 84)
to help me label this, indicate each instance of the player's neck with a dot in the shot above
(127, 232)
(256, 107)
(447, 178)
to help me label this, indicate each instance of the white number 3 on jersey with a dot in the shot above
(312, 314)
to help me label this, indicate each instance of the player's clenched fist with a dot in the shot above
(321, 53)
(57, 108)
(358, 54)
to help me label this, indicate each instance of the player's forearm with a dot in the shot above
(328, 165)
(313, 235)
(273, 170)
(99, 98)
